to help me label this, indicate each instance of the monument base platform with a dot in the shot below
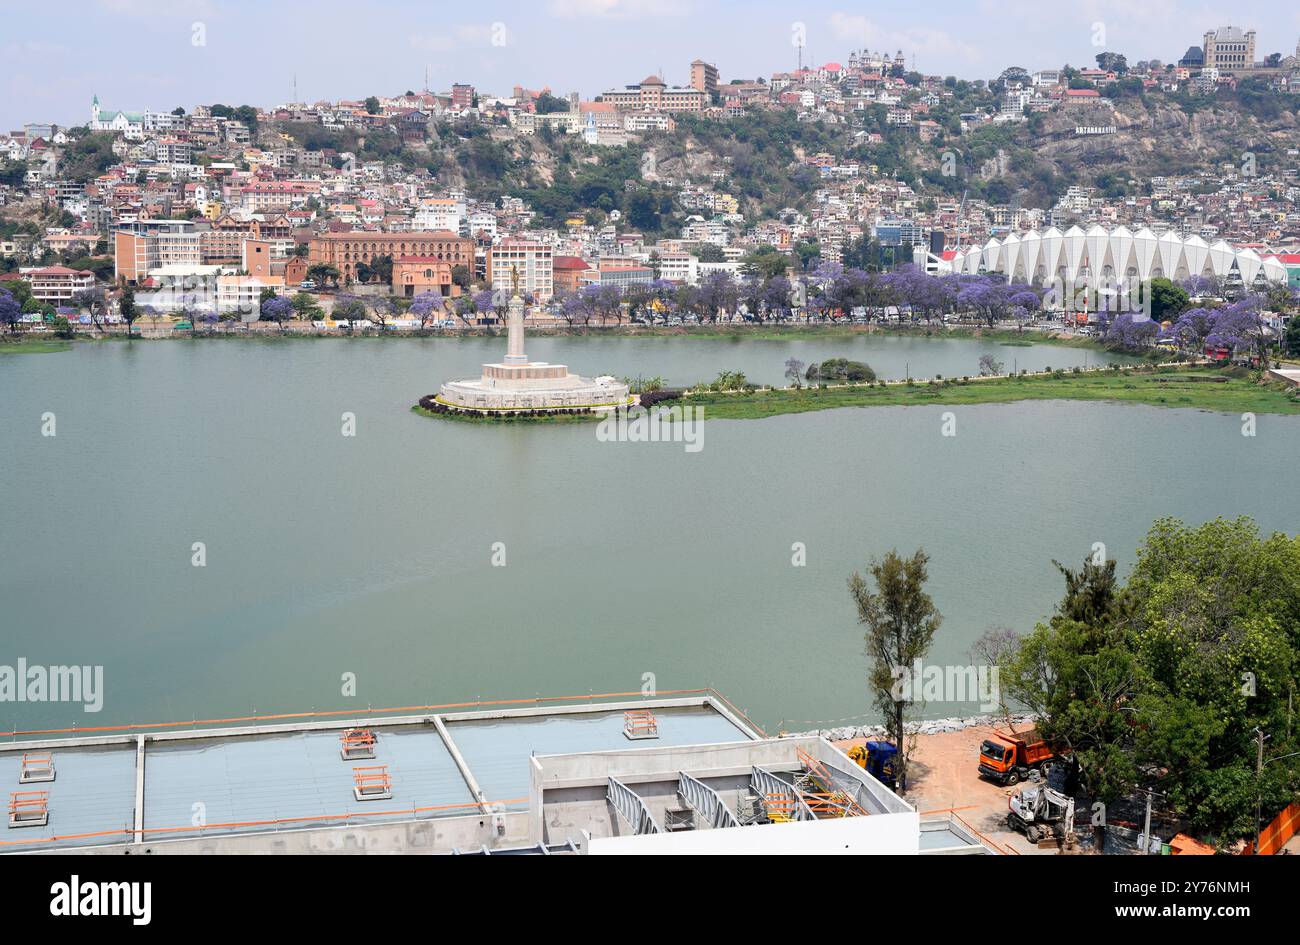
(532, 387)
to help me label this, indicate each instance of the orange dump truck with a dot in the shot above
(1008, 757)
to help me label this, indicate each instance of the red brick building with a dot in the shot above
(344, 250)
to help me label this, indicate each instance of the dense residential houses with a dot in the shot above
(221, 197)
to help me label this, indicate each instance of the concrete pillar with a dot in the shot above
(515, 332)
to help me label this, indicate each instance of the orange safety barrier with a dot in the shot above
(395, 710)
(819, 804)
(28, 807)
(36, 767)
(780, 807)
(372, 782)
(357, 743)
(1284, 826)
(640, 723)
(818, 771)
(128, 833)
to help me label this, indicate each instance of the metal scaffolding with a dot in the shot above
(631, 808)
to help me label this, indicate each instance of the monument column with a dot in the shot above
(515, 324)
(515, 332)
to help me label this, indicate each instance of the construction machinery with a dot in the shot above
(1040, 812)
(878, 759)
(1008, 757)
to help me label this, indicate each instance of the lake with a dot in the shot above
(372, 555)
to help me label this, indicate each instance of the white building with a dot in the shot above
(532, 260)
(1102, 257)
(440, 213)
(130, 124)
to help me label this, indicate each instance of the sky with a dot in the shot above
(157, 54)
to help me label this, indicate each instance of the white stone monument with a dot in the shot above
(517, 384)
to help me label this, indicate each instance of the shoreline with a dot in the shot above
(954, 723)
(764, 332)
(1230, 390)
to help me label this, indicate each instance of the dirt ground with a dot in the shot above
(944, 776)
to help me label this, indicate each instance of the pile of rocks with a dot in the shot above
(920, 727)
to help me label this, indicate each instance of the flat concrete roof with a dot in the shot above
(497, 750)
(91, 800)
(283, 777)
(297, 779)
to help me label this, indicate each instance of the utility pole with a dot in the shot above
(1146, 827)
(1259, 782)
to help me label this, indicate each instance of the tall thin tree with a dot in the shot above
(901, 620)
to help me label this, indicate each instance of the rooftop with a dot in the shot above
(522, 776)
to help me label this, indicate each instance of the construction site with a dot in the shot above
(623, 774)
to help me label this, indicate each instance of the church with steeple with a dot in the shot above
(130, 124)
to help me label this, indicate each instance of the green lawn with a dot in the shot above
(28, 345)
(1203, 389)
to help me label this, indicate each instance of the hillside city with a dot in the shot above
(820, 191)
(331, 425)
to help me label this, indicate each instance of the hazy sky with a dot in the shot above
(139, 54)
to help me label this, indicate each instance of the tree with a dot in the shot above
(1292, 340)
(794, 371)
(424, 305)
(385, 308)
(1078, 677)
(349, 308)
(305, 306)
(901, 620)
(997, 649)
(766, 261)
(1112, 62)
(323, 274)
(10, 311)
(1216, 630)
(990, 366)
(278, 310)
(548, 104)
(1167, 299)
(372, 105)
(94, 303)
(128, 309)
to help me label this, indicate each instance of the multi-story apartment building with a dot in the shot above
(151, 244)
(623, 276)
(224, 240)
(533, 261)
(654, 95)
(440, 213)
(243, 294)
(679, 267)
(57, 284)
(277, 195)
(704, 76)
(462, 96)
